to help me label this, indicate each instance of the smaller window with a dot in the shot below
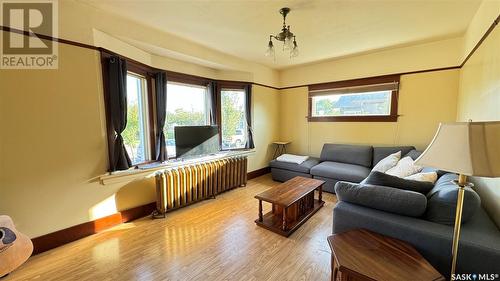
(233, 119)
(340, 101)
(356, 104)
(135, 135)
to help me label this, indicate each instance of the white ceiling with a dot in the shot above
(324, 29)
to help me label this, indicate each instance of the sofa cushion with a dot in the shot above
(340, 171)
(349, 154)
(283, 175)
(414, 154)
(439, 173)
(329, 185)
(378, 178)
(382, 198)
(442, 201)
(380, 153)
(304, 167)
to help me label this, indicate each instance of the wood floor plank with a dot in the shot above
(211, 240)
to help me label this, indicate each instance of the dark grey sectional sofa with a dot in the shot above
(337, 162)
(423, 220)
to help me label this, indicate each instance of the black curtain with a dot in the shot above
(117, 79)
(248, 104)
(161, 112)
(212, 97)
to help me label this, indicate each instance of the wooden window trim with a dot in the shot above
(392, 117)
(230, 85)
(186, 79)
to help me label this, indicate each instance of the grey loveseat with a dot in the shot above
(337, 162)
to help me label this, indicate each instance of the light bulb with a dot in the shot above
(270, 50)
(295, 51)
(288, 43)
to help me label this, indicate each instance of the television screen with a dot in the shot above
(196, 140)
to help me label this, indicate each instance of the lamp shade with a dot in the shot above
(467, 148)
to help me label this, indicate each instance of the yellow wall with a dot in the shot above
(83, 23)
(425, 100)
(431, 55)
(53, 137)
(487, 12)
(479, 98)
(53, 145)
(265, 115)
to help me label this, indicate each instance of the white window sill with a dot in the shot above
(151, 169)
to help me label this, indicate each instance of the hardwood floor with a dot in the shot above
(212, 240)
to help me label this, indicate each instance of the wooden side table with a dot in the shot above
(280, 148)
(360, 255)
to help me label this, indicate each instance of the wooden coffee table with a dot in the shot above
(365, 255)
(293, 204)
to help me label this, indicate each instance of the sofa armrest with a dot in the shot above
(384, 198)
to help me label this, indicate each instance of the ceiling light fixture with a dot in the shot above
(286, 36)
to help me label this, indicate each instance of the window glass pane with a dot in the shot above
(135, 135)
(357, 104)
(186, 106)
(234, 125)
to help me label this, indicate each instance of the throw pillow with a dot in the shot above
(381, 179)
(427, 177)
(387, 163)
(405, 167)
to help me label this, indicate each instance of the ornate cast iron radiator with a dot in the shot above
(180, 186)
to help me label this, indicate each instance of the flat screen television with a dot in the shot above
(193, 141)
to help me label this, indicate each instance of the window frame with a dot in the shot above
(147, 122)
(392, 117)
(227, 85)
(149, 73)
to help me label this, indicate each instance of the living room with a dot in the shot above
(90, 188)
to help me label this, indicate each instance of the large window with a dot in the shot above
(356, 100)
(187, 105)
(135, 135)
(234, 125)
(190, 101)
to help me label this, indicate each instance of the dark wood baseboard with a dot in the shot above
(258, 173)
(55, 239)
(64, 236)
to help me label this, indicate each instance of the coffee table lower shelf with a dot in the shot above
(274, 221)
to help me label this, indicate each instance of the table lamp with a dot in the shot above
(468, 149)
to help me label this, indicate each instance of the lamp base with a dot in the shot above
(462, 184)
